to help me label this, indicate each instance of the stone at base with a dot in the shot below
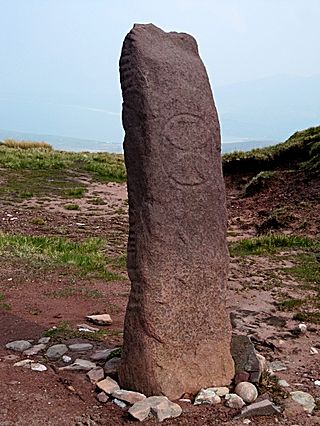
(19, 345)
(95, 375)
(159, 406)
(261, 408)
(305, 399)
(103, 319)
(207, 396)
(247, 391)
(128, 396)
(234, 401)
(102, 397)
(108, 385)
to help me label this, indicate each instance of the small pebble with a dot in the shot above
(36, 366)
(313, 351)
(119, 403)
(66, 359)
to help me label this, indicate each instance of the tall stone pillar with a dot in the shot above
(177, 331)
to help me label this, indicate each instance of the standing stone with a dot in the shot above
(177, 332)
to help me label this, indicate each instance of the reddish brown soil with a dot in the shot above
(30, 398)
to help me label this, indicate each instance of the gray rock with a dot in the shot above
(87, 328)
(119, 403)
(140, 410)
(103, 319)
(276, 366)
(108, 385)
(80, 347)
(66, 359)
(102, 355)
(261, 408)
(36, 366)
(56, 351)
(247, 391)
(34, 350)
(128, 396)
(24, 363)
(164, 409)
(111, 367)
(245, 357)
(207, 396)
(159, 406)
(305, 399)
(80, 364)
(234, 401)
(19, 345)
(221, 391)
(283, 383)
(102, 397)
(96, 374)
(44, 340)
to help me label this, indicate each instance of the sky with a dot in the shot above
(59, 58)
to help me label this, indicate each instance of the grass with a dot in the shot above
(4, 306)
(272, 244)
(86, 256)
(65, 331)
(72, 207)
(75, 192)
(258, 182)
(102, 166)
(12, 143)
(301, 150)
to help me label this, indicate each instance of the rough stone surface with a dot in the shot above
(44, 340)
(234, 401)
(119, 403)
(207, 396)
(19, 345)
(177, 332)
(102, 319)
(80, 364)
(261, 408)
(108, 385)
(102, 397)
(245, 357)
(112, 366)
(34, 350)
(56, 351)
(96, 374)
(140, 410)
(128, 396)
(241, 376)
(221, 391)
(23, 363)
(304, 399)
(247, 391)
(159, 406)
(276, 366)
(80, 347)
(36, 366)
(102, 355)
(165, 409)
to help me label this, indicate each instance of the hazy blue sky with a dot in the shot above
(59, 58)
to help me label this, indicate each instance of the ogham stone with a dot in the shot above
(177, 332)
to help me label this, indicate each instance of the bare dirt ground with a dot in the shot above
(39, 298)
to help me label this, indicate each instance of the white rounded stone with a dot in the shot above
(247, 391)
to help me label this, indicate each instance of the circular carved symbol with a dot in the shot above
(185, 145)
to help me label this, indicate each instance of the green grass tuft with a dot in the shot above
(271, 244)
(86, 256)
(72, 207)
(5, 306)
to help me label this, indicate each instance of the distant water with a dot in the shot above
(74, 144)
